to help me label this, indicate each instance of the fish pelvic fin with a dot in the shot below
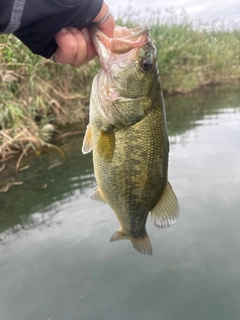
(166, 211)
(97, 195)
(87, 141)
(142, 244)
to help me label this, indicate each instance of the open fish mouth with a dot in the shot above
(125, 33)
(123, 41)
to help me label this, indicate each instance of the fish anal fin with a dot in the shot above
(166, 211)
(106, 144)
(97, 195)
(141, 244)
(87, 141)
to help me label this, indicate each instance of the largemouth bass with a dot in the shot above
(127, 133)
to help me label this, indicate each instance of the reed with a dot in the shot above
(38, 96)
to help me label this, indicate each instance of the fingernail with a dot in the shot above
(73, 30)
(64, 31)
(86, 35)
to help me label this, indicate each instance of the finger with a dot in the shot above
(67, 46)
(108, 27)
(91, 53)
(81, 52)
(74, 47)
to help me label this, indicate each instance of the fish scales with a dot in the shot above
(128, 136)
(132, 178)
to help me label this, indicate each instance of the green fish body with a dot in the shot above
(127, 133)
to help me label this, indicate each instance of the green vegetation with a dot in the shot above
(189, 59)
(191, 54)
(38, 96)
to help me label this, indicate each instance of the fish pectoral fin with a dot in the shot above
(87, 141)
(141, 244)
(106, 144)
(97, 195)
(166, 211)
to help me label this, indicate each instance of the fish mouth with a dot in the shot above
(123, 41)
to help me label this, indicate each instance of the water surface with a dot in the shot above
(56, 261)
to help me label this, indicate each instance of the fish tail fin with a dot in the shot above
(141, 244)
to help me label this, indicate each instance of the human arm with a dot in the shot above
(36, 23)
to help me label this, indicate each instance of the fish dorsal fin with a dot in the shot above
(97, 195)
(87, 141)
(166, 211)
(141, 244)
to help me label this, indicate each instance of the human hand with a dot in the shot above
(75, 46)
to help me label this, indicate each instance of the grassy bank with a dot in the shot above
(37, 96)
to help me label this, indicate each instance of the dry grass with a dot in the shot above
(37, 96)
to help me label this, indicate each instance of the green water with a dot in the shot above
(56, 261)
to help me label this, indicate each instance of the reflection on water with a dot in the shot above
(56, 261)
(50, 181)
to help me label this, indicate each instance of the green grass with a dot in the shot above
(38, 96)
(191, 54)
(189, 59)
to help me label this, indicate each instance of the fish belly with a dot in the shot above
(132, 181)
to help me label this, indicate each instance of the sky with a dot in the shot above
(204, 10)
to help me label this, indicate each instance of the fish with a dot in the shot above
(127, 134)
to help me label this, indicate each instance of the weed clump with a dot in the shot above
(37, 96)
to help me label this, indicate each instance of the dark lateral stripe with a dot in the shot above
(16, 16)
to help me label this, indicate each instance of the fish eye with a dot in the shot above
(146, 64)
